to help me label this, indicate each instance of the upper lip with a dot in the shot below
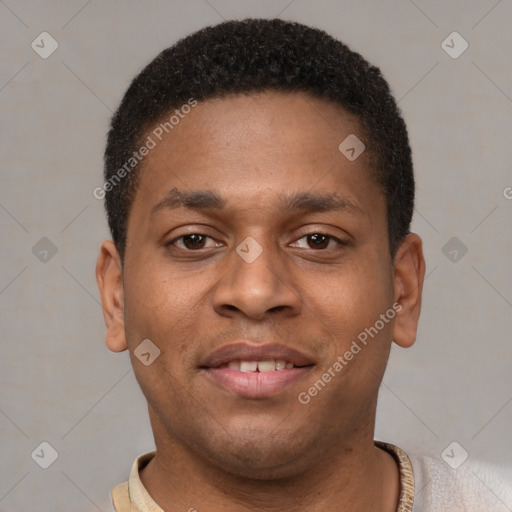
(254, 352)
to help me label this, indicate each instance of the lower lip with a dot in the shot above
(257, 384)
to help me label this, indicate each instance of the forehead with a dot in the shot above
(257, 146)
(305, 124)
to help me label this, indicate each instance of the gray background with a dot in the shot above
(58, 381)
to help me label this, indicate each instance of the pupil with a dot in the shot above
(319, 240)
(316, 238)
(196, 239)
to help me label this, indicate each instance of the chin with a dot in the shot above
(255, 456)
(259, 466)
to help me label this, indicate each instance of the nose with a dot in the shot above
(257, 286)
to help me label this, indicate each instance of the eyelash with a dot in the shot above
(330, 237)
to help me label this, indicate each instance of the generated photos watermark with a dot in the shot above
(150, 143)
(305, 397)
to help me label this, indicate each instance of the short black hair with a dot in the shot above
(253, 55)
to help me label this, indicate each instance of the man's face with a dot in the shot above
(306, 292)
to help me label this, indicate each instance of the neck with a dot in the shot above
(356, 477)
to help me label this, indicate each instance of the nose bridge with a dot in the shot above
(256, 263)
(257, 281)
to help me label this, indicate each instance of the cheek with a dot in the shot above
(356, 295)
(173, 309)
(157, 306)
(353, 301)
(160, 309)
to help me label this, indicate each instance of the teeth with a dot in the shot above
(248, 366)
(234, 365)
(266, 366)
(280, 364)
(262, 366)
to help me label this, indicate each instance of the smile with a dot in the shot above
(260, 366)
(254, 383)
(255, 370)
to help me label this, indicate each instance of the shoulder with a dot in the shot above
(474, 486)
(131, 496)
(121, 498)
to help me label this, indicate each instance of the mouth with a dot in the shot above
(271, 365)
(256, 371)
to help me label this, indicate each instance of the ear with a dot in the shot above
(409, 272)
(109, 277)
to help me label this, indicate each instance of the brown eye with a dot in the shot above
(318, 241)
(194, 241)
(191, 242)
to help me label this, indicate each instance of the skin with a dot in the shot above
(215, 449)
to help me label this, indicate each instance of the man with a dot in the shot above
(259, 189)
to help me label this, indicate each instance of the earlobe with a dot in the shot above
(409, 273)
(110, 283)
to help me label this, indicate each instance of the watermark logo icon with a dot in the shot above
(249, 249)
(454, 45)
(454, 455)
(44, 45)
(44, 455)
(44, 250)
(146, 352)
(454, 249)
(351, 147)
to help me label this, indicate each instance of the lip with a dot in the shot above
(255, 384)
(251, 352)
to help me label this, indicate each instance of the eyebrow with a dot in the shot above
(304, 202)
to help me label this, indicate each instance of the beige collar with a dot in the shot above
(132, 496)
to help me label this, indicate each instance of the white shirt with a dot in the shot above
(475, 486)
(427, 484)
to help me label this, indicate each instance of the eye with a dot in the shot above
(197, 241)
(320, 241)
(192, 241)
